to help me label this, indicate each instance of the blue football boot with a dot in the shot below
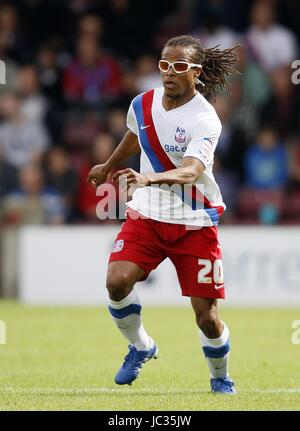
(133, 363)
(222, 386)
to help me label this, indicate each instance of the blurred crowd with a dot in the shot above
(73, 67)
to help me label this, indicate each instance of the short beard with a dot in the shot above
(177, 96)
(173, 96)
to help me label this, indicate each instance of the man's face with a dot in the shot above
(178, 84)
(88, 51)
(9, 106)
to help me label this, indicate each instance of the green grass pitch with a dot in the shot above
(65, 359)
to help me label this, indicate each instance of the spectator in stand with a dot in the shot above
(266, 162)
(82, 129)
(213, 33)
(8, 178)
(87, 201)
(292, 191)
(129, 89)
(93, 77)
(61, 177)
(289, 12)
(228, 183)
(233, 141)
(283, 106)
(32, 203)
(232, 14)
(116, 125)
(91, 26)
(11, 68)
(244, 116)
(49, 73)
(75, 9)
(175, 23)
(11, 36)
(256, 86)
(21, 141)
(293, 185)
(133, 28)
(270, 45)
(34, 105)
(147, 73)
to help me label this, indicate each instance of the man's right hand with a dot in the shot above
(98, 174)
(129, 146)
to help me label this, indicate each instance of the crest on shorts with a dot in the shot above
(118, 245)
(180, 135)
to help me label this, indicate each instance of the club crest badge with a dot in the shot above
(180, 135)
(118, 245)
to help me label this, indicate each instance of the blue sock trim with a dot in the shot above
(120, 313)
(216, 352)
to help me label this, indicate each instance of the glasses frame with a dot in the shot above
(171, 64)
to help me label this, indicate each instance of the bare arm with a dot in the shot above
(189, 171)
(128, 147)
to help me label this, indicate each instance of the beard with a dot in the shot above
(173, 96)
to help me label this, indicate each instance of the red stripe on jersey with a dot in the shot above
(151, 132)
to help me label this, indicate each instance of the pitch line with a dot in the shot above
(128, 391)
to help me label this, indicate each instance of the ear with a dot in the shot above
(198, 72)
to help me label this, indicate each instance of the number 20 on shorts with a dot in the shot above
(217, 272)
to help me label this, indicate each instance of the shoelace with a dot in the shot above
(227, 383)
(130, 355)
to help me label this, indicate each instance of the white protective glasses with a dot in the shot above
(178, 66)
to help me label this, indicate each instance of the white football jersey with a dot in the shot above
(165, 137)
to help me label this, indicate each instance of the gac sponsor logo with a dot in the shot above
(174, 149)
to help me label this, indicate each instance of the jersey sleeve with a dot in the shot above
(131, 120)
(204, 139)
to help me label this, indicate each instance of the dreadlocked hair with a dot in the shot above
(217, 64)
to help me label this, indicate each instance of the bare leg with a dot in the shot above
(214, 337)
(206, 313)
(121, 277)
(124, 304)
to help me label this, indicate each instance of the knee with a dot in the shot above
(118, 285)
(208, 322)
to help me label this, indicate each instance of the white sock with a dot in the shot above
(216, 351)
(127, 315)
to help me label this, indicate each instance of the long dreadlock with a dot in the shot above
(217, 64)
